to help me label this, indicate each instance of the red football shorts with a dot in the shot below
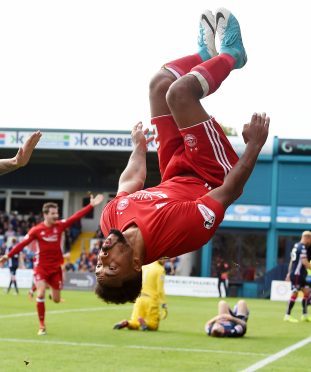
(201, 150)
(53, 279)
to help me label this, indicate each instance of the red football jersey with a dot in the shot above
(175, 217)
(48, 241)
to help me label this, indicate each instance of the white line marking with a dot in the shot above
(280, 354)
(52, 312)
(160, 348)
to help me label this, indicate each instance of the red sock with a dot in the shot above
(182, 66)
(41, 311)
(213, 72)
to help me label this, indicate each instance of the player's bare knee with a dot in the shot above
(242, 307)
(223, 307)
(160, 84)
(180, 93)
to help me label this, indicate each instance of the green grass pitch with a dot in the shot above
(80, 337)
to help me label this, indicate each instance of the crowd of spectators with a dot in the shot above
(87, 260)
(16, 225)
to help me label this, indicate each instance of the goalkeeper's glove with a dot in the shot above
(164, 311)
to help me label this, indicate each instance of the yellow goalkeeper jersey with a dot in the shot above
(153, 282)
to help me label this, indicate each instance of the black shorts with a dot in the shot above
(298, 281)
(13, 270)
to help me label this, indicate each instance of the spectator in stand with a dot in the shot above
(67, 241)
(96, 247)
(75, 230)
(83, 262)
(9, 232)
(171, 265)
(99, 234)
(14, 222)
(69, 266)
(2, 249)
(31, 221)
(28, 257)
(93, 255)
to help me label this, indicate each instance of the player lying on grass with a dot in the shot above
(228, 323)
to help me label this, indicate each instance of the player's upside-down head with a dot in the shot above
(119, 277)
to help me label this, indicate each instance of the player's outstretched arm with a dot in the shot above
(23, 155)
(4, 258)
(287, 278)
(233, 319)
(94, 201)
(255, 135)
(19, 246)
(133, 177)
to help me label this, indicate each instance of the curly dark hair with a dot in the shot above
(128, 292)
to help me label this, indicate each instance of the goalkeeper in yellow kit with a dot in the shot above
(150, 306)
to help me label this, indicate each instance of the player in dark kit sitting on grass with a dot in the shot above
(201, 173)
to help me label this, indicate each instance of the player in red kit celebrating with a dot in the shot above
(201, 175)
(47, 237)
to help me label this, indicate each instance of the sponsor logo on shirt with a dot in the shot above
(51, 238)
(208, 215)
(190, 140)
(123, 204)
(148, 195)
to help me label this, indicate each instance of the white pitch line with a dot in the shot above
(52, 312)
(280, 354)
(192, 350)
(158, 348)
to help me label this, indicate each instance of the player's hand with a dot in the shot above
(4, 258)
(24, 153)
(164, 312)
(287, 278)
(97, 200)
(256, 132)
(139, 138)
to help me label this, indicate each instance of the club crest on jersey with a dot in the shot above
(208, 215)
(123, 204)
(190, 140)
